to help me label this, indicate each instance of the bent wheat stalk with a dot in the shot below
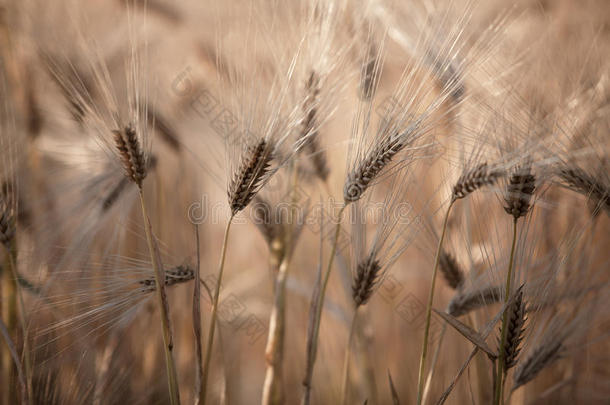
(313, 349)
(424, 352)
(519, 190)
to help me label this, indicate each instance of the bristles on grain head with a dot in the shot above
(542, 357)
(310, 130)
(465, 302)
(583, 183)
(519, 191)
(451, 271)
(515, 329)
(365, 280)
(253, 170)
(473, 179)
(369, 169)
(131, 154)
(176, 275)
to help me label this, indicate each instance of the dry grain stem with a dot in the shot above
(210, 341)
(318, 315)
(424, 353)
(197, 323)
(501, 368)
(348, 351)
(168, 344)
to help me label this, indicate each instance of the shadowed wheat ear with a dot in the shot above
(367, 274)
(452, 273)
(581, 182)
(474, 179)
(310, 127)
(514, 330)
(253, 169)
(519, 190)
(7, 222)
(543, 356)
(131, 154)
(466, 302)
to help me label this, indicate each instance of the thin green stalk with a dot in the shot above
(210, 341)
(501, 370)
(434, 363)
(424, 353)
(348, 351)
(318, 315)
(197, 323)
(168, 344)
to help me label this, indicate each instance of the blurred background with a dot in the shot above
(206, 70)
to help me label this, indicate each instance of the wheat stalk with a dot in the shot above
(132, 158)
(519, 191)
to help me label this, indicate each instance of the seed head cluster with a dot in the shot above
(131, 154)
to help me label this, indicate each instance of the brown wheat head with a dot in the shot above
(131, 154)
(474, 179)
(581, 182)
(361, 178)
(367, 273)
(515, 329)
(519, 190)
(254, 168)
(452, 273)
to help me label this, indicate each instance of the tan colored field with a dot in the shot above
(342, 185)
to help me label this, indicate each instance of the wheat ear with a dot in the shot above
(474, 179)
(367, 171)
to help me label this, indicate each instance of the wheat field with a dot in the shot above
(314, 202)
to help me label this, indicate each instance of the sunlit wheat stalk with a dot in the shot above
(454, 276)
(250, 176)
(469, 181)
(367, 274)
(519, 190)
